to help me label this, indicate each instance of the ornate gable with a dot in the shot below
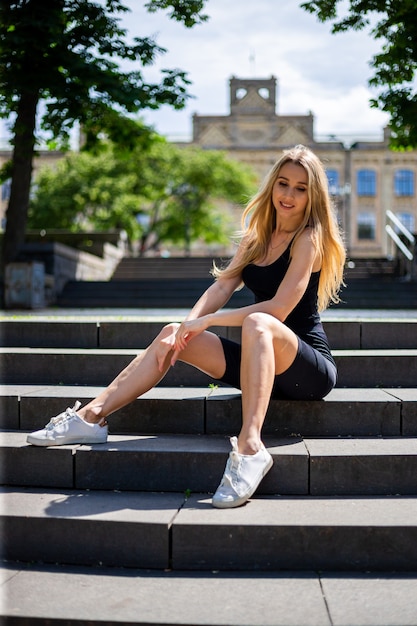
(213, 136)
(292, 136)
(252, 102)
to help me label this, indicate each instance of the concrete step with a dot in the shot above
(135, 596)
(186, 267)
(195, 463)
(374, 293)
(376, 368)
(157, 293)
(204, 410)
(72, 366)
(370, 268)
(101, 332)
(339, 463)
(58, 366)
(161, 531)
(378, 293)
(149, 268)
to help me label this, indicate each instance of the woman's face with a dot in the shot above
(290, 193)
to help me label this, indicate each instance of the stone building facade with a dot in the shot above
(366, 179)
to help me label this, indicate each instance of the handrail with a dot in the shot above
(401, 226)
(391, 233)
(406, 252)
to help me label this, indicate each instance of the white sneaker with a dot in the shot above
(241, 477)
(66, 428)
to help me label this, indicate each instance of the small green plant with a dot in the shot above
(213, 387)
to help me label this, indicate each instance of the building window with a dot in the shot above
(404, 183)
(333, 180)
(366, 183)
(366, 225)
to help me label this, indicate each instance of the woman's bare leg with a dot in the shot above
(204, 352)
(268, 348)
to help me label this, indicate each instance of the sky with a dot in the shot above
(315, 70)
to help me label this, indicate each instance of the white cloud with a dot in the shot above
(316, 71)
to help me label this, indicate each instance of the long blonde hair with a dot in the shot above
(259, 221)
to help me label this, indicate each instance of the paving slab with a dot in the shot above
(150, 597)
(170, 463)
(296, 533)
(344, 412)
(217, 410)
(108, 596)
(357, 368)
(376, 368)
(131, 334)
(333, 313)
(25, 465)
(73, 366)
(137, 330)
(395, 335)
(339, 466)
(343, 335)
(351, 334)
(10, 396)
(408, 399)
(87, 527)
(38, 406)
(162, 409)
(182, 463)
(58, 366)
(369, 600)
(9, 411)
(51, 333)
(365, 466)
(173, 410)
(138, 334)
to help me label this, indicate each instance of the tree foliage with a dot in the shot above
(66, 54)
(395, 23)
(161, 194)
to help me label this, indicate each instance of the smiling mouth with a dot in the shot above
(287, 206)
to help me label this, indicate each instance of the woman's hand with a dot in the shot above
(186, 332)
(164, 347)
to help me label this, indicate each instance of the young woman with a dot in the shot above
(291, 256)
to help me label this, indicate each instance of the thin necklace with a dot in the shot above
(280, 244)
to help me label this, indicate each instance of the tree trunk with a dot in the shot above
(22, 163)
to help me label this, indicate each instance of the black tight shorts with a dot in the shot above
(310, 377)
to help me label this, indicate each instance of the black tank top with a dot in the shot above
(304, 319)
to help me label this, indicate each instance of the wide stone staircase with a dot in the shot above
(125, 533)
(179, 281)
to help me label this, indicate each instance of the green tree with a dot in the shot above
(161, 194)
(65, 54)
(395, 23)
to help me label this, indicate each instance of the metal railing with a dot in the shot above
(407, 251)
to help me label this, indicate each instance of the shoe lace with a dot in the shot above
(63, 417)
(231, 473)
